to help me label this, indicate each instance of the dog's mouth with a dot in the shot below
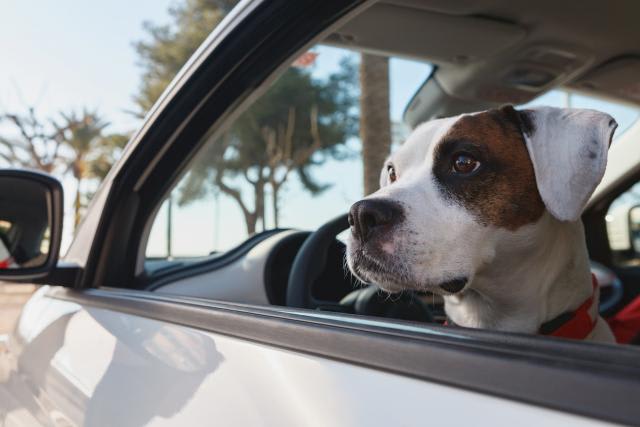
(386, 273)
(454, 286)
(392, 277)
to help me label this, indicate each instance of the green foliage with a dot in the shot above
(75, 143)
(298, 123)
(81, 133)
(289, 105)
(299, 93)
(106, 153)
(170, 46)
(34, 144)
(93, 153)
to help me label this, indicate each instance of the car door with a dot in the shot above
(108, 357)
(101, 351)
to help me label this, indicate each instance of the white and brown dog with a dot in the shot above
(485, 209)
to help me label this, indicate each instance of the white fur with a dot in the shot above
(517, 279)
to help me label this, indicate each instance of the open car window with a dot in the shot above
(291, 159)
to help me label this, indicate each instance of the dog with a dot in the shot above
(484, 209)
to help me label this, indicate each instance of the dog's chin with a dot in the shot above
(378, 268)
(392, 285)
(391, 275)
(393, 272)
(445, 288)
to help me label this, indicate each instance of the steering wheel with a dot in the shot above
(611, 288)
(311, 261)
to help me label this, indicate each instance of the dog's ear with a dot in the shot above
(568, 149)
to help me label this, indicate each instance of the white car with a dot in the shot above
(129, 331)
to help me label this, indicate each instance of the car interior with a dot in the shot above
(484, 54)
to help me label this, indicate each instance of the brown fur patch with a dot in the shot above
(502, 191)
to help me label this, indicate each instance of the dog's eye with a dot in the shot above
(465, 164)
(392, 173)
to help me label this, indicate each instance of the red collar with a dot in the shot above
(576, 324)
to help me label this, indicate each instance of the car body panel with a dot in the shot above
(83, 365)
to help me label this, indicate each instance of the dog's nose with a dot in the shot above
(368, 215)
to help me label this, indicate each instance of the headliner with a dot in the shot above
(492, 50)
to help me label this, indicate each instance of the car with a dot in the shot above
(139, 323)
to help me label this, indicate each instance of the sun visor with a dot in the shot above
(618, 78)
(419, 34)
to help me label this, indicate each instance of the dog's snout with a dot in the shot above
(368, 215)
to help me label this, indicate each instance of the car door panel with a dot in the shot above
(104, 366)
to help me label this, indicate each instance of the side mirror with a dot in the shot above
(31, 210)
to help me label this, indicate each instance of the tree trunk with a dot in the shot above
(259, 200)
(275, 188)
(375, 123)
(77, 204)
(251, 219)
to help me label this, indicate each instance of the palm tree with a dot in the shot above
(375, 123)
(84, 133)
(108, 151)
(35, 144)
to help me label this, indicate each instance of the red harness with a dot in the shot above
(575, 325)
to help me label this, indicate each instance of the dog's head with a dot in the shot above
(459, 182)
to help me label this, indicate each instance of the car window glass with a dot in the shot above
(291, 160)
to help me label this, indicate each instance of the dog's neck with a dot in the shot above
(536, 274)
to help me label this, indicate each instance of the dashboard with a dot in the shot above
(257, 272)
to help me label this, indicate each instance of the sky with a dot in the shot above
(70, 54)
(67, 55)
